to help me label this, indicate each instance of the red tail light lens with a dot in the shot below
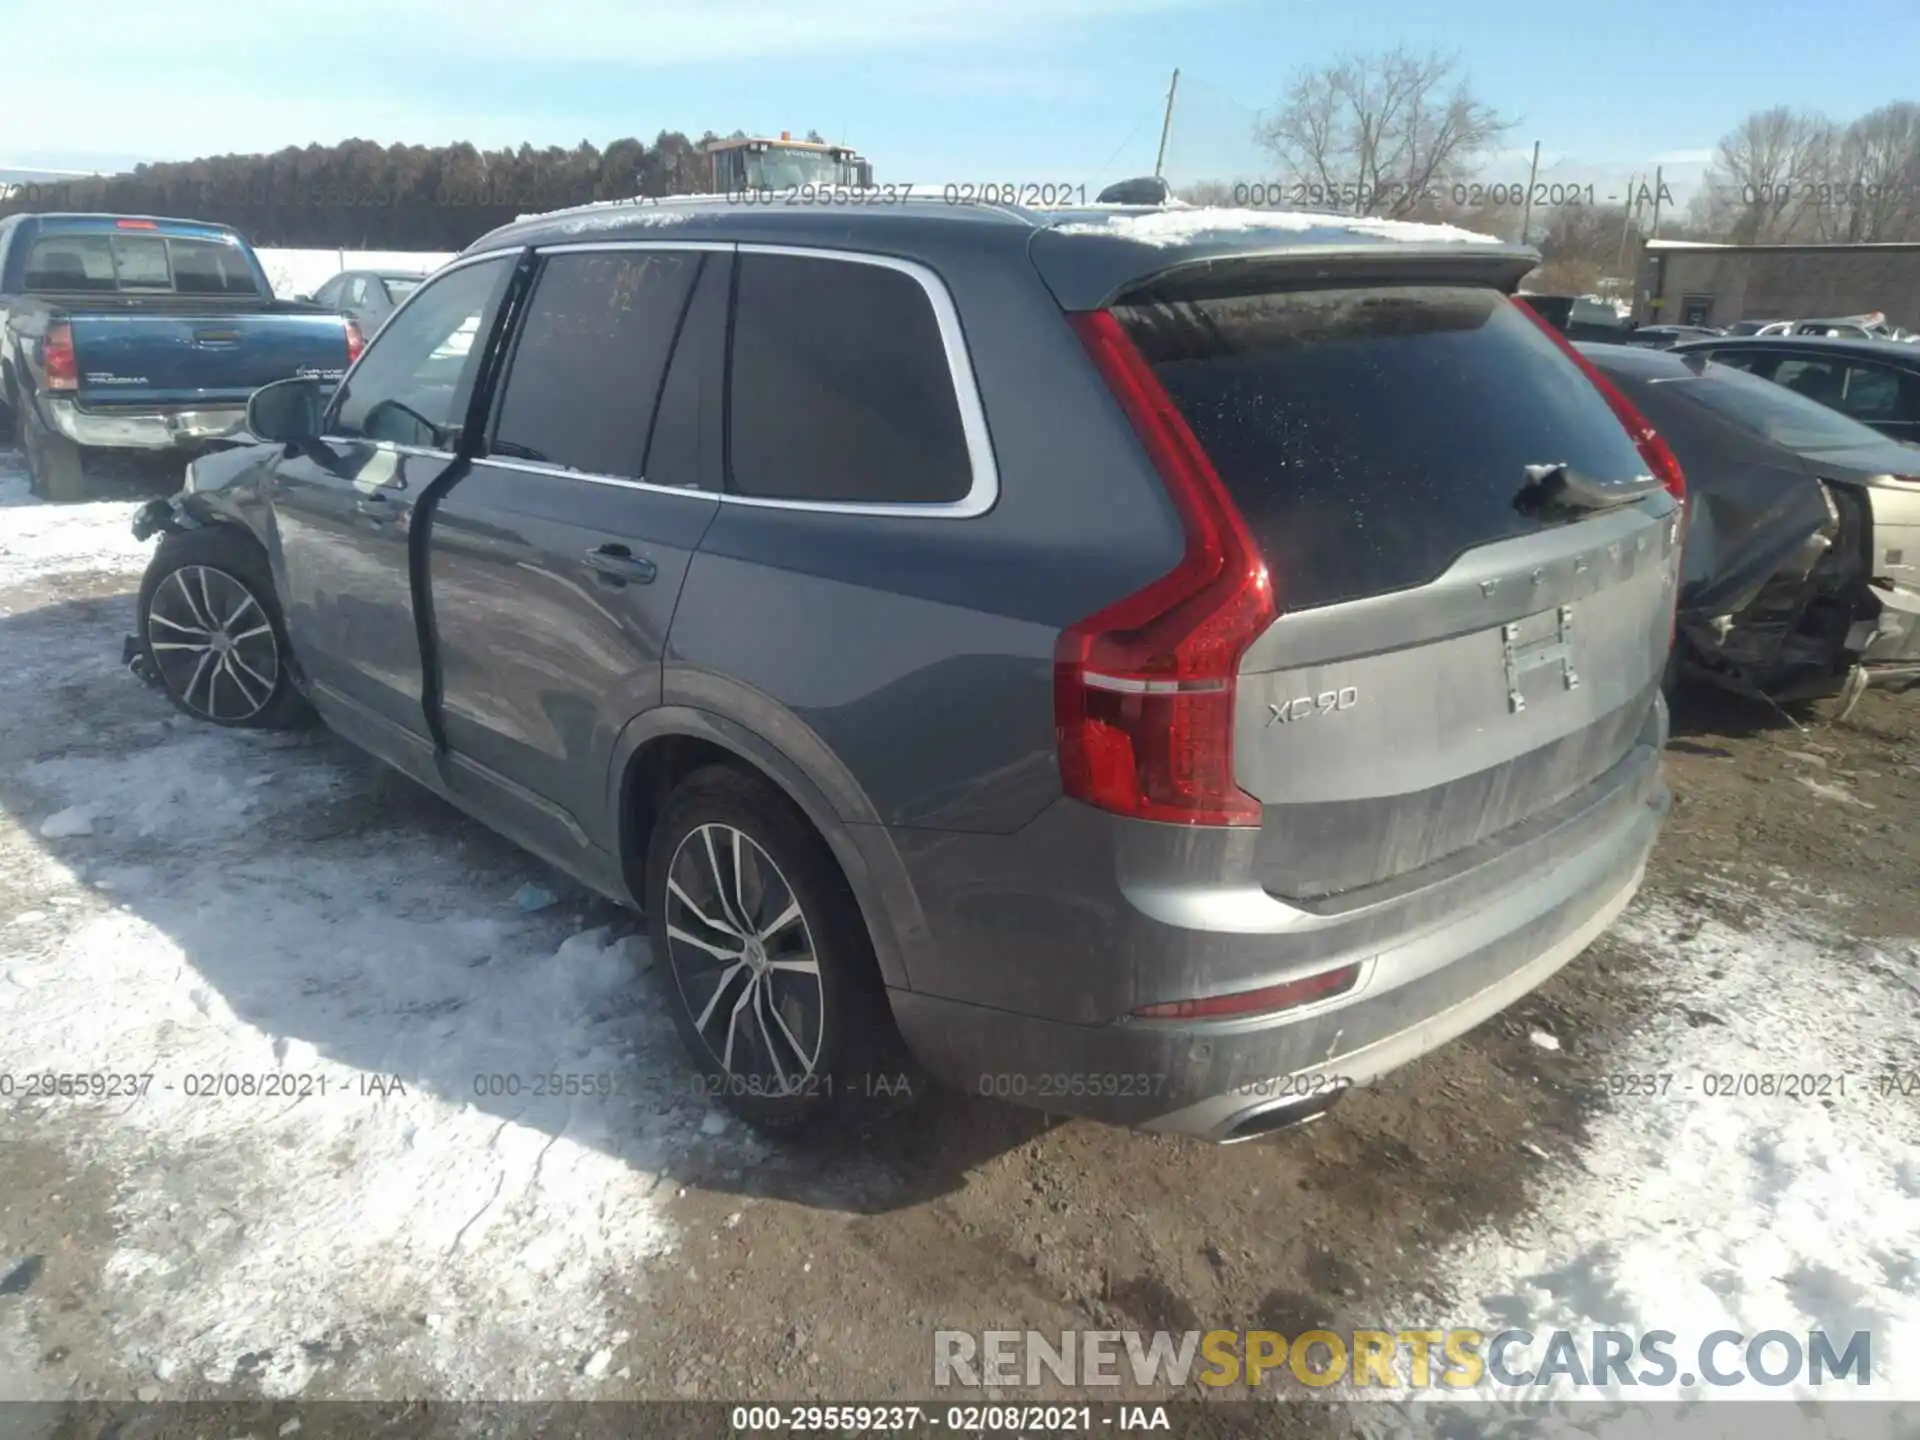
(1654, 450)
(1144, 690)
(1264, 1001)
(59, 369)
(356, 342)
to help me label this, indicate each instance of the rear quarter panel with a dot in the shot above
(903, 665)
(920, 651)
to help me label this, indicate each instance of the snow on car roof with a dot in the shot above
(1188, 224)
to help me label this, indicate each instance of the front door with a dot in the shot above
(344, 506)
(556, 561)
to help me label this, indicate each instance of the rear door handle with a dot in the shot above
(622, 564)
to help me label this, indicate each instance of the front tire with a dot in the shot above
(768, 968)
(212, 631)
(56, 467)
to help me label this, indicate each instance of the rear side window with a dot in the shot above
(1371, 436)
(592, 351)
(840, 387)
(137, 263)
(1774, 412)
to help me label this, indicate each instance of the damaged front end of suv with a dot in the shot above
(1802, 566)
(221, 488)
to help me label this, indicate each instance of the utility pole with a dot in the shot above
(1626, 223)
(1166, 124)
(1658, 186)
(1526, 214)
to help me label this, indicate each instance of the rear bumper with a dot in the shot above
(143, 429)
(1433, 964)
(1212, 1081)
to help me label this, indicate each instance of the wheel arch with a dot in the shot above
(661, 746)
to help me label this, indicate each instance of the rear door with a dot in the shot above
(1449, 661)
(343, 512)
(556, 562)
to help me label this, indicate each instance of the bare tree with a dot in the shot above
(1381, 133)
(1207, 192)
(1762, 174)
(1864, 181)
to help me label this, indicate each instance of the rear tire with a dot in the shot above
(56, 467)
(765, 959)
(211, 629)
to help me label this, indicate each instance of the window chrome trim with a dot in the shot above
(592, 477)
(982, 494)
(572, 247)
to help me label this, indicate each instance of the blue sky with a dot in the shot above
(934, 90)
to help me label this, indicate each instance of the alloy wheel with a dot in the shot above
(213, 644)
(743, 956)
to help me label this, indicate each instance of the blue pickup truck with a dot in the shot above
(129, 332)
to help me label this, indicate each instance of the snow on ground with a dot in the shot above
(301, 272)
(39, 540)
(1692, 1212)
(341, 1177)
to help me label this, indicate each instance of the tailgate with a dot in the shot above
(1452, 658)
(136, 359)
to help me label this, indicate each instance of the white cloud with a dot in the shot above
(1702, 156)
(273, 76)
(639, 32)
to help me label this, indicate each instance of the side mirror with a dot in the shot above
(303, 300)
(287, 411)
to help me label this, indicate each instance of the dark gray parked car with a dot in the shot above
(1800, 578)
(1163, 666)
(366, 297)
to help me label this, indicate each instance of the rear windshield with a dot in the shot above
(398, 289)
(1776, 414)
(1371, 436)
(137, 264)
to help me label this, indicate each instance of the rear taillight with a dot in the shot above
(135, 225)
(1264, 1001)
(1654, 450)
(59, 369)
(1144, 690)
(356, 342)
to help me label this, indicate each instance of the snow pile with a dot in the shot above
(1187, 226)
(397, 1126)
(37, 540)
(301, 272)
(1692, 1212)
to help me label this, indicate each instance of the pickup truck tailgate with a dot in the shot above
(207, 358)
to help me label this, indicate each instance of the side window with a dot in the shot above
(587, 366)
(357, 291)
(840, 388)
(1821, 380)
(413, 384)
(1872, 393)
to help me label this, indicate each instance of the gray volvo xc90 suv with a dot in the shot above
(1162, 665)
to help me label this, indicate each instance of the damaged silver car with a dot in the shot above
(1802, 565)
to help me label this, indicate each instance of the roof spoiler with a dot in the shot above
(1103, 280)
